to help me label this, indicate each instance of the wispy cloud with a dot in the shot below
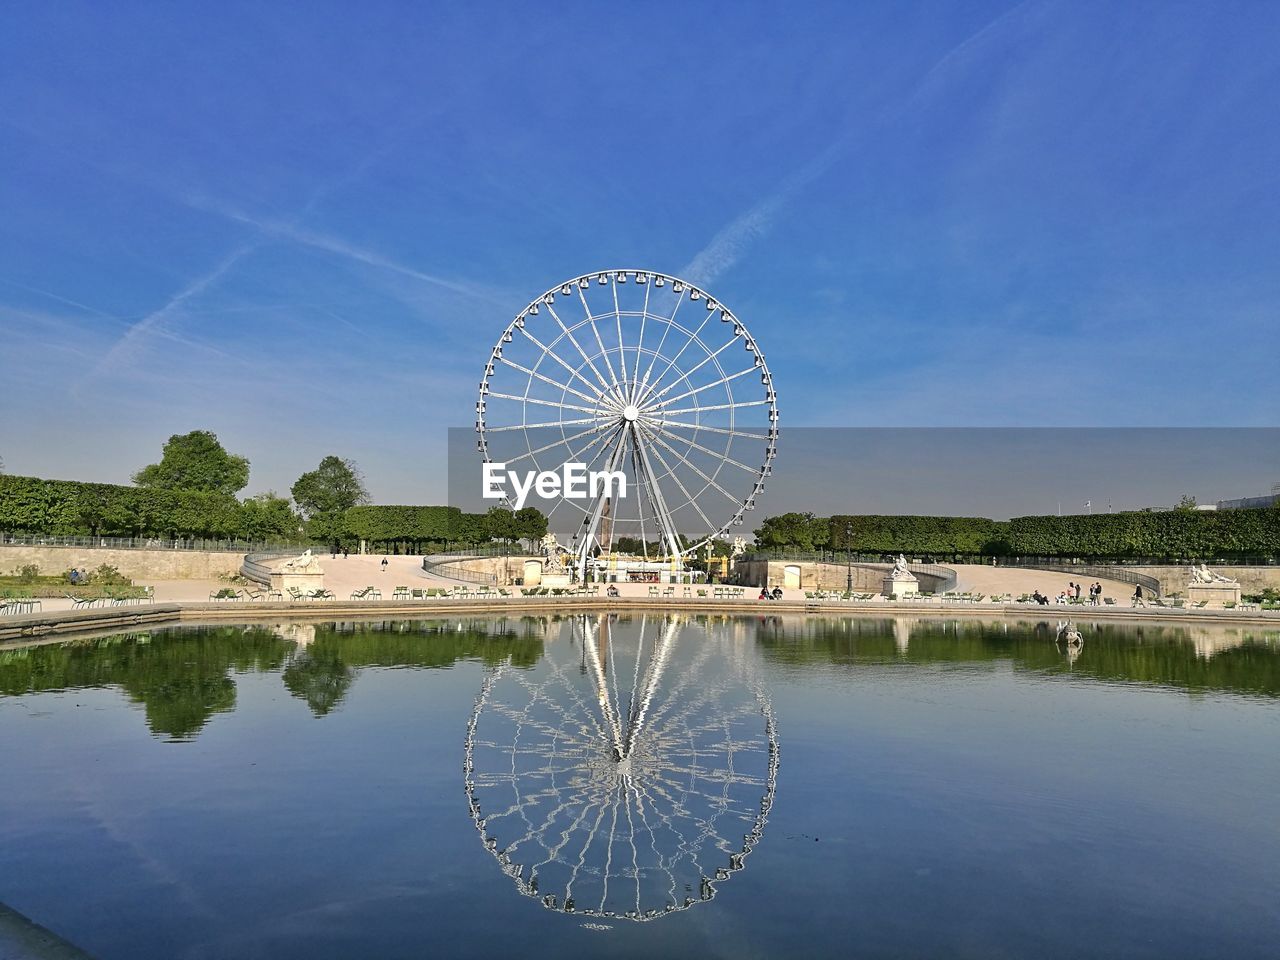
(138, 332)
(731, 243)
(292, 231)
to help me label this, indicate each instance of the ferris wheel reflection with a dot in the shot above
(628, 772)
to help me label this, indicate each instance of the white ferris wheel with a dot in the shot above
(642, 373)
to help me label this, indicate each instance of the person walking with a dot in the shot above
(1137, 600)
(384, 564)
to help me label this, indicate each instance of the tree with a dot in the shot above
(195, 461)
(332, 487)
(325, 494)
(1186, 503)
(530, 525)
(501, 524)
(268, 517)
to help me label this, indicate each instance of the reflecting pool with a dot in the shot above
(644, 785)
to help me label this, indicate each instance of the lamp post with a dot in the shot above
(848, 558)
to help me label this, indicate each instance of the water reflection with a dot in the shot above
(1193, 657)
(183, 677)
(629, 771)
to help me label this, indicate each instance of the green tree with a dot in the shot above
(268, 516)
(1186, 503)
(195, 461)
(325, 494)
(531, 525)
(501, 524)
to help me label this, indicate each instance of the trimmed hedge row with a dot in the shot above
(70, 507)
(928, 535)
(1174, 534)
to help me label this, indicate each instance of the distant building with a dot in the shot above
(1253, 503)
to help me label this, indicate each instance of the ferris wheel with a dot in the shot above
(626, 774)
(643, 374)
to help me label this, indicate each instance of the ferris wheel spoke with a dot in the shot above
(567, 333)
(683, 489)
(719, 406)
(696, 469)
(653, 393)
(548, 380)
(702, 426)
(599, 430)
(591, 322)
(670, 323)
(644, 315)
(558, 405)
(572, 371)
(719, 455)
(656, 404)
(539, 426)
(670, 534)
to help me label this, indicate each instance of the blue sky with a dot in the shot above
(303, 226)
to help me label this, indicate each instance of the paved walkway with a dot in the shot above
(983, 578)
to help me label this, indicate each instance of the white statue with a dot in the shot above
(303, 564)
(550, 543)
(739, 547)
(900, 571)
(1203, 574)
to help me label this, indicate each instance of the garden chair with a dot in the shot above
(400, 593)
(296, 594)
(653, 591)
(702, 593)
(81, 603)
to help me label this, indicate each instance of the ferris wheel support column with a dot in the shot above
(597, 511)
(664, 516)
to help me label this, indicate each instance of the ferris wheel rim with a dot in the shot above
(669, 411)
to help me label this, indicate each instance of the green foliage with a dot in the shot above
(332, 488)
(401, 524)
(911, 534)
(1170, 534)
(500, 523)
(28, 573)
(67, 507)
(109, 576)
(325, 494)
(1186, 502)
(268, 517)
(530, 525)
(802, 531)
(196, 461)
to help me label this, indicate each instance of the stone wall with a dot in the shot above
(1175, 579)
(501, 569)
(867, 577)
(134, 564)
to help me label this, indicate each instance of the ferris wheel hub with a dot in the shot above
(630, 412)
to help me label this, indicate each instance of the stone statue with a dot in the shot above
(739, 547)
(1202, 574)
(900, 571)
(550, 543)
(303, 564)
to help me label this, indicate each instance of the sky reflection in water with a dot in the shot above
(867, 787)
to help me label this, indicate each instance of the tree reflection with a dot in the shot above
(184, 676)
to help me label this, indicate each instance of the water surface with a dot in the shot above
(641, 786)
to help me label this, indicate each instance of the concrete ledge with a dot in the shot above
(68, 622)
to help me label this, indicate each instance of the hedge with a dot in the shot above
(1174, 534)
(70, 507)
(1169, 534)
(912, 534)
